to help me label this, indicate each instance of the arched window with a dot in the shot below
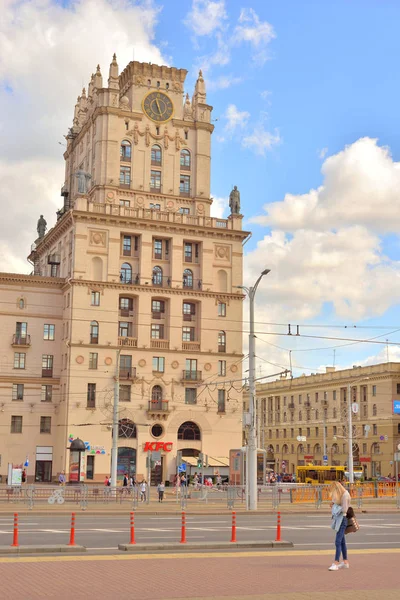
(125, 150)
(125, 274)
(335, 448)
(126, 428)
(221, 341)
(185, 159)
(189, 431)
(222, 277)
(300, 449)
(94, 332)
(156, 393)
(156, 155)
(317, 449)
(157, 276)
(285, 449)
(21, 303)
(374, 410)
(376, 449)
(187, 278)
(284, 417)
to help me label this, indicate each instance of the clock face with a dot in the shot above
(158, 107)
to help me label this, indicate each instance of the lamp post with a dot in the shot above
(350, 427)
(252, 440)
(115, 425)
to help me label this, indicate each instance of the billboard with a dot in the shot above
(396, 407)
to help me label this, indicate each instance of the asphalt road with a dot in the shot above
(102, 533)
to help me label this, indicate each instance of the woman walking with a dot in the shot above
(340, 505)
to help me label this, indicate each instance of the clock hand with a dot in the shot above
(158, 106)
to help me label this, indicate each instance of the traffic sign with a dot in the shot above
(325, 457)
(325, 461)
(182, 468)
(354, 407)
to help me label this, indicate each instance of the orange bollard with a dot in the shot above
(72, 534)
(15, 536)
(233, 538)
(278, 528)
(132, 528)
(183, 530)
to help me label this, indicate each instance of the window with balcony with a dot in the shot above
(191, 372)
(155, 181)
(125, 366)
(125, 150)
(94, 332)
(184, 185)
(157, 277)
(125, 275)
(124, 393)
(19, 360)
(157, 309)
(124, 176)
(158, 364)
(190, 396)
(45, 424)
(125, 203)
(91, 395)
(95, 298)
(184, 210)
(187, 278)
(157, 332)
(221, 401)
(185, 160)
(221, 309)
(47, 365)
(124, 329)
(222, 368)
(16, 424)
(49, 332)
(156, 155)
(188, 334)
(189, 311)
(18, 391)
(21, 333)
(47, 393)
(221, 341)
(126, 307)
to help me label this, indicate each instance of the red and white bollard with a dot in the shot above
(233, 537)
(132, 528)
(15, 536)
(183, 528)
(278, 528)
(72, 534)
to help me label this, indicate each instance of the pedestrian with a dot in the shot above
(61, 478)
(23, 477)
(183, 480)
(161, 490)
(340, 505)
(143, 491)
(125, 481)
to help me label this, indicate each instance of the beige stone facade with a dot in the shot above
(138, 282)
(303, 406)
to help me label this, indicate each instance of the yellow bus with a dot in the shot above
(317, 475)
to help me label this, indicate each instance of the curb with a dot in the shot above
(194, 512)
(41, 549)
(203, 546)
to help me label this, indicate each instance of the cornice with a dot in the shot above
(61, 226)
(55, 381)
(32, 280)
(147, 348)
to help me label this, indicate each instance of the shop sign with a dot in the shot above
(157, 446)
(94, 449)
(396, 407)
(309, 457)
(365, 459)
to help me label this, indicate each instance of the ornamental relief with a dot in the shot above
(222, 252)
(97, 238)
(149, 135)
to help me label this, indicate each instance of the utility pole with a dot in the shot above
(115, 425)
(350, 426)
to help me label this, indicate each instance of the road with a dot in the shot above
(101, 534)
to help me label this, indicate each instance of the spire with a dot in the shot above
(98, 79)
(113, 79)
(90, 87)
(199, 95)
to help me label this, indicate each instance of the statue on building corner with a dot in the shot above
(83, 181)
(234, 201)
(41, 226)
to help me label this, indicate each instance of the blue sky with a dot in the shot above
(306, 104)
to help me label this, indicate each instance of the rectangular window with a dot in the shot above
(47, 393)
(334, 395)
(364, 447)
(124, 393)
(16, 424)
(90, 467)
(127, 245)
(221, 401)
(45, 424)
(221, 309)
(125, 329)
(316, 431)
(155, 206)
(91, 395)
(125, 366)
(155, 180)
(277, 434)
(190, 396)
(158, 364)
(93, 358)
(316, 396)
(188, 252)
(398, 388)
(18, 391)
(21, 332)
(47, 365)
(222, 368)
(157, 308)
(184, 210)
(308, 432)
(188, 334)
(374, 429)
(157, 248)
(125, 176)
(374, 390)
(126, 203)
(184, 185)
(300, 399)
(19, 360)
(49, 331)
(157, 332)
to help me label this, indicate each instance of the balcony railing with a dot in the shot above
(21, 340)
(221, 347)
(127, 373)
(53, 259)
(192, 284)
(160, 405)
(94, 339)
(187, 317)
(125, 312)
(159, 344)
(191, 346)
(130, 342)
(48, 372)
(133, 279)
(161, 281)
(191, 375)
(157, 314)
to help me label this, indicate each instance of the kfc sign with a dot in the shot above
(157, 446)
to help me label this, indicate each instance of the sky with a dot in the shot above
(306, 114)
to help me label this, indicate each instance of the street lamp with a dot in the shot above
(252, 440)
(350, 427)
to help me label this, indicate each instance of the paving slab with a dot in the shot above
(203, 546)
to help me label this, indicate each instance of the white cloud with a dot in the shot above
(235, 118)
(223, 82)
(257, 33)
(265, 95)
(219, 207)
(206, 16)
(322, 153)
(48, 52)
(361, 186)
(261, 140)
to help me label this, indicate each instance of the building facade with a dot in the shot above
(294, 413)
(133, 292)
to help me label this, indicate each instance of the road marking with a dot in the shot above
(385, 534)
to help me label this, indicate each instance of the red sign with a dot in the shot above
(365, 459)
(308, 457)
(156, 446)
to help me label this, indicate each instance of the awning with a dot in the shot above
(213, 461)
